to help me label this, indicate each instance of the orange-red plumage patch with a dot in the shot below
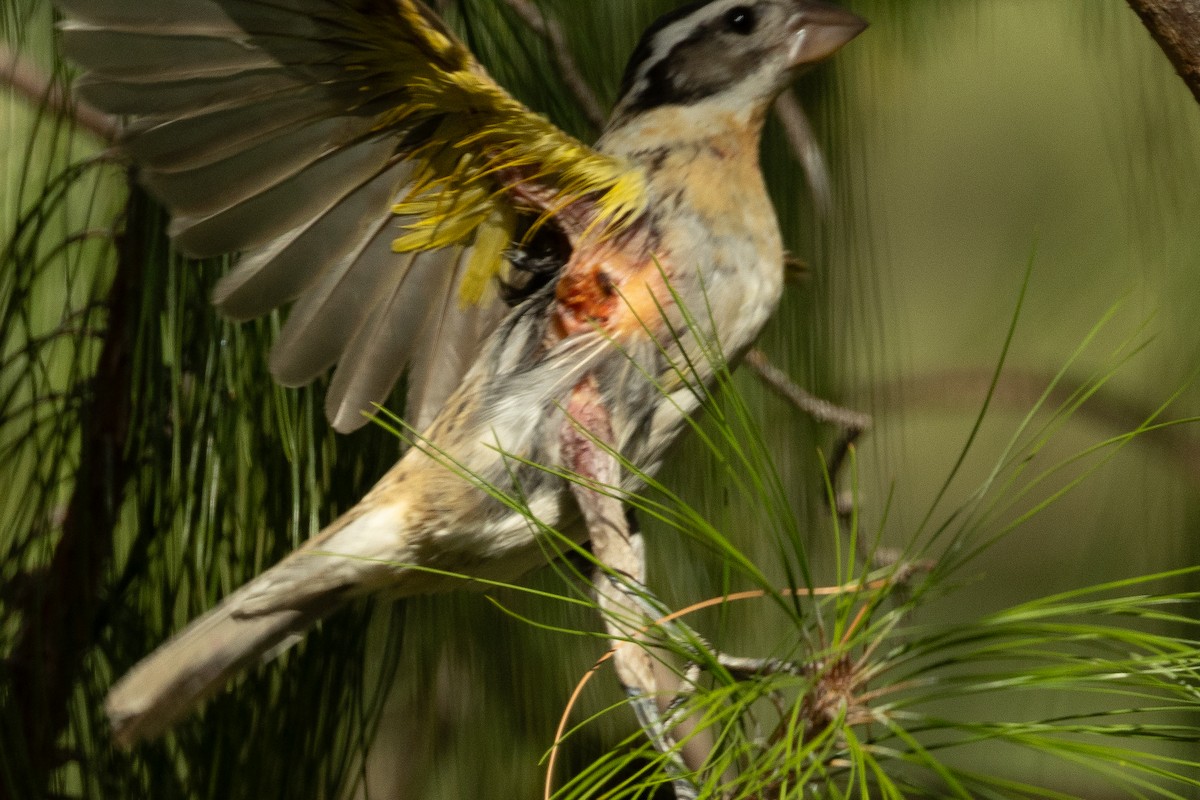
(616, 286)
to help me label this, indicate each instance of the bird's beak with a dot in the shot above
(818, 30)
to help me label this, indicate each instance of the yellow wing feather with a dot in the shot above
(356, 154)
(481, 132)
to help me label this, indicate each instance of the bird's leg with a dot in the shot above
(628, 607)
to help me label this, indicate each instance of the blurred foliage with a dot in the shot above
(963, 138)
(179, 462)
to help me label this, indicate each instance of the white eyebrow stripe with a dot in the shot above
(674, 34)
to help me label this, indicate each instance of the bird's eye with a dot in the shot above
(741, 19)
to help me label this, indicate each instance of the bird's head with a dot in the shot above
(729, 56)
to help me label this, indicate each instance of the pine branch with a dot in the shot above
(1175, 25)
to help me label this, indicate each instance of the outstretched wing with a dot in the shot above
(358, 157)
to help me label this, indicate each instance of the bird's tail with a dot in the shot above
(258, 620)
(197, 662)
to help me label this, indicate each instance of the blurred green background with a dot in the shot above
(1000, 133)
(966, 140)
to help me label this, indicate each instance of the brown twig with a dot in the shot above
(552, 33)
(815, 407)
(1175, 25)
(852, 423)
(27, 80)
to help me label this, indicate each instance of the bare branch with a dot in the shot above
(815, 407)
(27, 80)
(853, 423)
(556, 39)
(1175, 25)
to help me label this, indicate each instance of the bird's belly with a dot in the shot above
(486, 497)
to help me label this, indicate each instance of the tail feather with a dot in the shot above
(257, 621)
(201, 658)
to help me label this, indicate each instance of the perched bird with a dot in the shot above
(366, 166)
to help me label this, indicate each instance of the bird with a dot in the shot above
(423, 222)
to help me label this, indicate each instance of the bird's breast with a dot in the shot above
(718, 225)
(616, 286)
